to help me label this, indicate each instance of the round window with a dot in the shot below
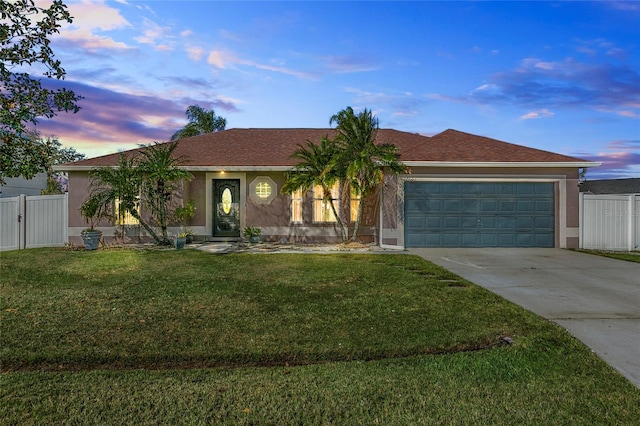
(263, 190)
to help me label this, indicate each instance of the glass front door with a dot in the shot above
(226, 208)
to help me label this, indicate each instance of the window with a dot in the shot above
(122, 216)
(263, 190)
(322, 211)
(296, 206)
(355, 203)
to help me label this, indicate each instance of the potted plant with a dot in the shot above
(188, 233)
(92, 211)
(181, 240)
(183, 215)
(252, 233)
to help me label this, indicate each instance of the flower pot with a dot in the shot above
(189, 239)
(180, 242)
(91, 239)
(254, 239)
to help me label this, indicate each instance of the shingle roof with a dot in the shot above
(611, 186)
(273, 148)
(453, 145)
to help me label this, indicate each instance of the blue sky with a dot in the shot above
(559, 76)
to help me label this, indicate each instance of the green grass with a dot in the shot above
(184, 337)
(630, 256)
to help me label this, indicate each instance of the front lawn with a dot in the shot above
(183, 337)
(630, 256)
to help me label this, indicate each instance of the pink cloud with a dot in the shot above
(620, 159)
(110, 120)
(537, 114)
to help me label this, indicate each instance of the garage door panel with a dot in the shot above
(488, 240)
(451, 222)
(418, 240)
(543, 223)
(488, 206)
(506, 207)
(417, 206)
(525, 222)
(525, 206)
(486, 223)
(469, 240)
(507, 223)
(543, 206)
(503, 189)
(505, 240)
(414, 222)
(434, 223)
(543, 240)
(462, 214)
(525, 240)
(545, 190)
(525, 188)
(470, 206)
(470, 189)
(452, 206)
(468, 223)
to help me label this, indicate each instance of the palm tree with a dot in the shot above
(149, 177)
(317, 166)
(201, 121)
(361, 160)
(161, 174)
(119, 184)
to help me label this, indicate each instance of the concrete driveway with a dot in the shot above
(596, 298)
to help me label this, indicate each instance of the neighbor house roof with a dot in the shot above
(262, 149)
(611, 186)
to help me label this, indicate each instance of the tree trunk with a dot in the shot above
(146, 226)
(162, 210)
(356, 227)
(344, 233)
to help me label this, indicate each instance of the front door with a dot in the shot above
(226, 207)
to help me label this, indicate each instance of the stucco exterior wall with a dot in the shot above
(385, 206)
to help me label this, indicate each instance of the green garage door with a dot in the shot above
(464, 214)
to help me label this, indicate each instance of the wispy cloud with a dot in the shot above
(349, 64)
(158, 36)
(398, 104)
(537, 114)
(86, 40)
(601, 46)
(224, 59)
(620, 159)
(565, 84)
(627, 6)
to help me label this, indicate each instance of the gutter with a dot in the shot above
(502, 164)
(479, 164)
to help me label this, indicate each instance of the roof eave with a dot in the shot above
(503, 164)
(87, 168)
(488, 164)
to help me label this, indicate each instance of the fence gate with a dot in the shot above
(610, 222)
(30, 222)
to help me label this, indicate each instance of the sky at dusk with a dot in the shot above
(562, 76)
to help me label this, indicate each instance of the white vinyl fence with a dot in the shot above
(610, 222)
(30, 222)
